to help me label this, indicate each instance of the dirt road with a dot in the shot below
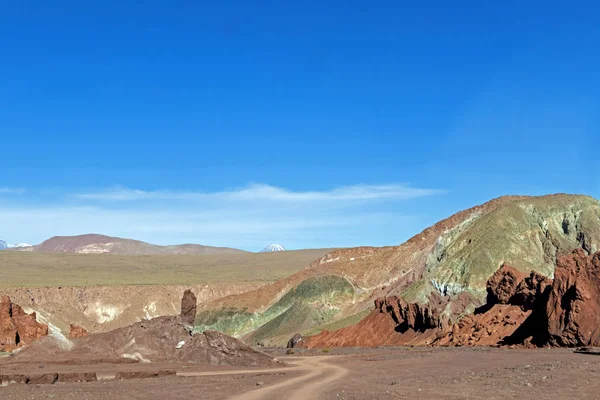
(315, 374)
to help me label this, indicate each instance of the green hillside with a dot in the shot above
(527, 233)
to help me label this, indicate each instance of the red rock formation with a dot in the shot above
(532, 292)
(502, 286)
(509, 286)
(76, 332)
(513, 314)
(16, 327)
(8, 330)
(418, 317)
(395, 322)
(487, 329)
(573, 308)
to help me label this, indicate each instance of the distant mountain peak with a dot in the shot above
(3, 245)
(92, 243)
(272, 248)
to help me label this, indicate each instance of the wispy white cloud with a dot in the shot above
(264, 192)
(249, 218)
(250, 230)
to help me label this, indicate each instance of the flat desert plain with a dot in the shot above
(380, 373)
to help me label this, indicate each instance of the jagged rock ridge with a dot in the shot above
(530, 310)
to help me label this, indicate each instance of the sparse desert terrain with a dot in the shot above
(100, 292)
(29, 269)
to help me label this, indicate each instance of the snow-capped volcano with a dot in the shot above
(4, 245)
(18, 246)
(272, 248)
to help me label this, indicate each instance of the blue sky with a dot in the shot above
(310, 124)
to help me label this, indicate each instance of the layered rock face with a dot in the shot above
(530, 310)
(573, 307)
(410, 315)
(18, 328)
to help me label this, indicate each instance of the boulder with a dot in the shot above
(510, 286)
(188, 307)
(503, 285)
(294, 341)
(573, 307)
(532, 292)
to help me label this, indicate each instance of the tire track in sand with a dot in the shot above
(319, 373)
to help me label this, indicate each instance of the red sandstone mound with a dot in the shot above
(162, 339)
(573, 307)
(76, 332)
(16, 327)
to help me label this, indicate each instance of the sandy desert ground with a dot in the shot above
(395, 373)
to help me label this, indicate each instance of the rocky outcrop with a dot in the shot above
(294, 341)
(18, 328)
(417, 317)
(486, 329)
(503, 285)
(438, 313)
(188, 307)
(573, 307)
(395, 322)
(8, 330)
(529, 310)
(76, 332)
(509, 286)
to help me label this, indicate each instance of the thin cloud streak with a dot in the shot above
(263, 192)
(221, 227)
(249, 218)
(11, 190)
